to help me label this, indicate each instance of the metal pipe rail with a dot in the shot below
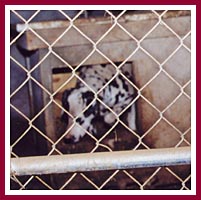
(100, 161)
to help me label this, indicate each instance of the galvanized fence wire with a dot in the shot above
(114, 23)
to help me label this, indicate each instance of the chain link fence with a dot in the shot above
(46, 60)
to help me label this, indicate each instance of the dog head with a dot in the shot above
(74, 101)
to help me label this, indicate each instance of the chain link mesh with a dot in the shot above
(140, 179)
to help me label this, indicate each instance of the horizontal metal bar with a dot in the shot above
(100, 161)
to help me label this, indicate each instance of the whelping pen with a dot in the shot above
(48, 48)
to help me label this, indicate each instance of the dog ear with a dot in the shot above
(65, 105)
(65, 102)
(94, 108)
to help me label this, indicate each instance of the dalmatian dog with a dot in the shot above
(111, 88)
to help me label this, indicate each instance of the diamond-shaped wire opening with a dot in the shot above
(78, 36)
(145, 108)
(158, 95)
(181, 26)
(38, 39)
(132, 25)
(28, 144)
(41, 68)
(17, 58)
(19, 17)
(171, 113)
(31, 33)
(179, 173)
(145, 66)
(174, 65)
(163, 180)
(21, 104)
(18, 126)
(160, 134)
(93, 30)
(28, 138)
(17, 82)
(167, 40)
(67, 39)
(121, 42)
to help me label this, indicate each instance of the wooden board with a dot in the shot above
(44, 34)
